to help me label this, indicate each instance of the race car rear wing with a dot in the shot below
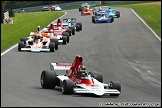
(60, 66)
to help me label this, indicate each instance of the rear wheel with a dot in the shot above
(77, 27)
(67, 35)
(48, 79)
(97, 76)
(73, 30)
(24, 39)
(117, 14)
(80, 25)
(69, 31)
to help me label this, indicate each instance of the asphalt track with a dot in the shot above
(125, 50)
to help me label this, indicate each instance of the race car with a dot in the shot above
(71, 23)
(36, 44)
(57, 26)
(102, 18)
(56, 8)
(77, 80)
(86, 12)
(83, 6)
(55, 36)
(110, 11)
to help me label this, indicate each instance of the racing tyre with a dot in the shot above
(73, 30)
(56, 43)
(117, 14)
(80, 25)
(80, 9)
(69, 31)
(20, 45)
(24, 39)
(115, 85)
(52, 46)
(77, 27)
(67, 35)
(48, 79)
(64, 38)
(111, 18)
(67, 87)
(97, 75)
(93, 19)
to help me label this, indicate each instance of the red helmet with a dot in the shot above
(59, 23)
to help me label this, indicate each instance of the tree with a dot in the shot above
(3, 4)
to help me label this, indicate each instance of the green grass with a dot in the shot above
(23, 24)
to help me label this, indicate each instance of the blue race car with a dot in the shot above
(107, 9)
(102, 18)
(111, 11)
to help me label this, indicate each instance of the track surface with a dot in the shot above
(124, 50)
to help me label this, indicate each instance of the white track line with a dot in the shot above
(6, 51)
(146, 24)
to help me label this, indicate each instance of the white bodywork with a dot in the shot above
(56, 7)
(97, 89)
(36, 47)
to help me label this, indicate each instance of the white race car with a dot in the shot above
(56, 8)
(78, 80)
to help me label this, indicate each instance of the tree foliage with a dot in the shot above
(23, 4)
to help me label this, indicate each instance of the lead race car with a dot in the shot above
(77, 80)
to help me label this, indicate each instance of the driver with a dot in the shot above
(37, 38)
(81, 71)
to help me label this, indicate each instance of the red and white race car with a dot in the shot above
(77, 79)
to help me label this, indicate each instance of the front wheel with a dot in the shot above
(20, 45)
(115, 85)
(67, 87)
(52, 46)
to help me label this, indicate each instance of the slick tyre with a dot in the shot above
(52, 46)
(97, 75)
(20, 45)
(73, 30)
(67, 35)
(77, 28)
(117, 14)
(67, 87)
(56, 43)
(48, 79)
(64, 38)
(24, 39)
(115, 85)
(69, 31)
(80, 25)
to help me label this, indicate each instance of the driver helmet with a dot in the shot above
(37, 38)
(81, 69)
(58, 24)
